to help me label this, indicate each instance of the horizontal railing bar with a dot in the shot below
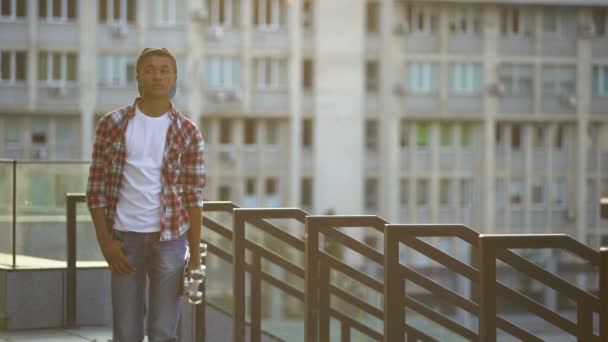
(583, 251)
(516, 331)
(348, 270)
(215, 206)
(540, 310)
(217, 227)
(276, 282)
(442, 258)
(353, 244)
(275, 258)
(440, 290)
(440, 318)
(218, 251)
(371, 221)
(77, 196)
(370, 309)
(272, 213)
(435, 230)
(548, 278)
(356, 324)
(278, 233)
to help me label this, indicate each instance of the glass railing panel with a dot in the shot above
(6, 213)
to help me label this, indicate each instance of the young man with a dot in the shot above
(144, 193)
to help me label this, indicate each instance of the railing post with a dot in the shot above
(256, 298)
(200, 313)
(604, 294)
(604, 207)
(14, 214)
(71, 261)
(238, 276)
(487, 302)
(311, 281)
(394, 289)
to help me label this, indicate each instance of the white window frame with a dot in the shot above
(516, 74)
(559, 23)
(274, 23)
(123, 15)
(64, 69)
(462, 78)
(222, 73)
(114, 63)
(271, 73)
(524, 19)
(168, 17)
(413, 13)
(472, 16)
(605, 33)
(213, 9)
(601, 73)
(13, 9)
(420, 76)
(51, 17)
(560, 71)
(13, 68)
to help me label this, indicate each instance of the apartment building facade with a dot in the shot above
(490, 114)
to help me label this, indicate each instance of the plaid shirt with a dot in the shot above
(182, 175)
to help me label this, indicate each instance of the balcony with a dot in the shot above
(465, 44)
(599, 106)
(422, 103)
(14, 33)
(110, 98)
(421, 43)
(62, 35)
(268, 38)
(270, 101)
(170, 37)
(220, 38)
(120, 36)
(558, 46)
(14, 97)
(516, 104)
(516, 46)
(558, 104)
(58, 98)
(471, 105)
(600, 46)
(223, 101)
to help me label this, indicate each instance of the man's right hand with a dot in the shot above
(116, 259)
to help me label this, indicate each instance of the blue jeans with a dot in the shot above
(163, 264)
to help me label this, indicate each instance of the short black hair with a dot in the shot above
(156, 52)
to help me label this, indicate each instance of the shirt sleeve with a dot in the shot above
(194, 173)
(95, 195)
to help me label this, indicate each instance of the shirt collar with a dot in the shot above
(131, 109)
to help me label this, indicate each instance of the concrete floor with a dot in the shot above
(96, 334)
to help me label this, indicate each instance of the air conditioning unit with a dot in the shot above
(119, 30)
(568, 100)
(399, 89)
(215, 32)
(402, 28)
(234, 95)
(496, 89)
(58, 91)
(586, 30)
(199, 14)
(227, 157)
(218, 96)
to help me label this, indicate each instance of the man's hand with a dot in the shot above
(116, 259)
(194, 263)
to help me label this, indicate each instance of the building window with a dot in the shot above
(559, 79)
(40, 133)
(465, 20)
(371, 76)
(421, 19)
(206, 129)
(307, 133)
(57, 67)
(64, 138)
(13, 137)
(516, 137)
(122, 11)
(12, 9)
(499, 194)
(559, 22)
(372, 17)
(466, 135)
(600, 80)
(222, 73)
(271, 73)
(516, 79)
(423, 135)
(422, 192)
(371, 135)
(118, 71)
(225, 193)
(600, 21)
(226, 132)
(56, 10)
(404, 192)
(166, 12)
(537, 193)
(307, 14)
(250, 199)
(445, 192)
(225, 13)
(371, 193)
(272, 193)
(272, 132)
(404, 134)
(250, 135)
(465, 78)
(560, 137)
(539, 137)
(446, 138)
(13, 66)
(517, 192)
(307, 75)
(423, 78)
(559, 195)
(269, 14)
(515, 21)
(306, 199)
(466, 192)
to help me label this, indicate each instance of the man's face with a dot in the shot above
(156, 76)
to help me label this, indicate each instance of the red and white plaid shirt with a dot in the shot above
(182, 175)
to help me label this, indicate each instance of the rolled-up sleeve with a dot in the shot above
(95, 195)
(194, 173)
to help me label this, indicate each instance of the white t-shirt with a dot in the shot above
(138, 208)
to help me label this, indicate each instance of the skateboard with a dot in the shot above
(192, 283)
